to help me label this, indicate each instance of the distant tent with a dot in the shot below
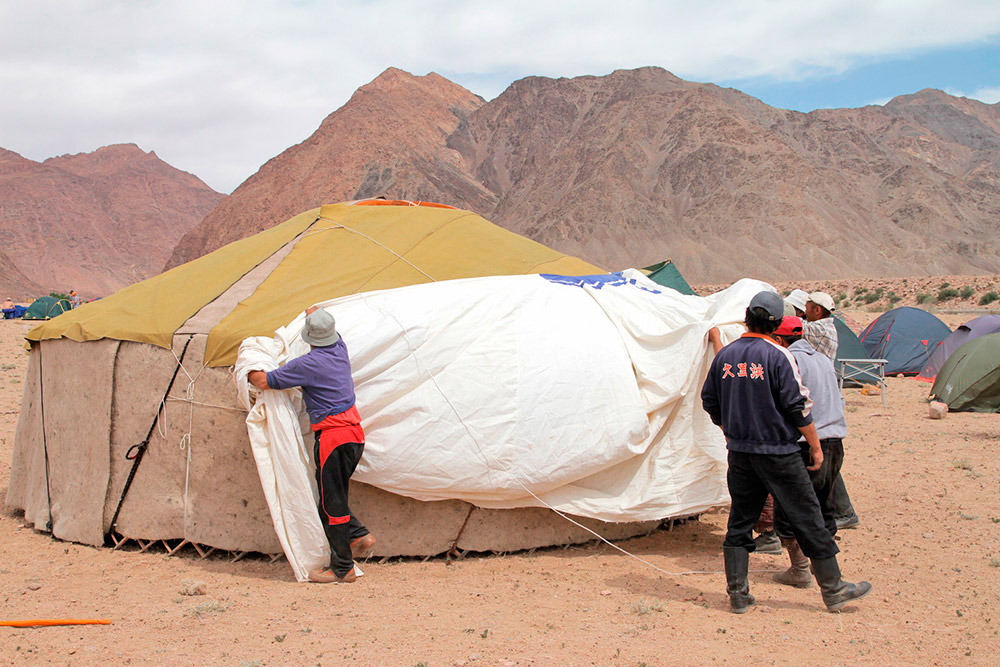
(45, 308)
(849, 347)
(906, 337)
(667, 274)
(980, 326)
(970, 378)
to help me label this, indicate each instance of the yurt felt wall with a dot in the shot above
(150, 510)
(27, 488)
(198, 473)
(76, 438)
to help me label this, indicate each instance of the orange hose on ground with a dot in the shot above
(57, 621)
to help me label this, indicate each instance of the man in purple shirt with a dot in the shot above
(324, 374)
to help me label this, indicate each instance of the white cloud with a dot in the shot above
(217, 88)
(987, 94)
(882, 101)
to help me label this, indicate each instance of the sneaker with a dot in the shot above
(362, 545)
(768, 543)
(851, 521)
(325, 575)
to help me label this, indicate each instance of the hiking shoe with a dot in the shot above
(798, 574)
(325, 575)
(362, 545)
(768, 543)
(851, 521)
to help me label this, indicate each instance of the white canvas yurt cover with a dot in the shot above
(575, 394)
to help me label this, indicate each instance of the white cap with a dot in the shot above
(823, 299)
(797, 299)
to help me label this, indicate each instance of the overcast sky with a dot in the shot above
(218, 87)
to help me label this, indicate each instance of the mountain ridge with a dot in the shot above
(94, 222)
(638, 165)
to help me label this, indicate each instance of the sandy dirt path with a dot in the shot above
(929, 541)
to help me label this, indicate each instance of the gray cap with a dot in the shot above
(320, 329)
(770, 302)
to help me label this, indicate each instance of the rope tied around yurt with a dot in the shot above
(136, 452)
(340, 225)
(185, 441)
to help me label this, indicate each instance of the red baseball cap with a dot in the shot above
(790, 326)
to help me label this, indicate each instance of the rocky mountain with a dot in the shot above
(93, 222)
(637, 166)
(390, 138)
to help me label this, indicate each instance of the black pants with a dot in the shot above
(751, 477)
(824, 483)
(333, 478)
(842, 507)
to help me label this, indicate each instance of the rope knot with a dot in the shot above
(136, 449)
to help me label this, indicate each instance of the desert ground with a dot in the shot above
(929, 540)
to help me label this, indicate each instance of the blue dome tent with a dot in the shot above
(906, 337)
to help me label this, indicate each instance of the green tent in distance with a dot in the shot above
(666, 273)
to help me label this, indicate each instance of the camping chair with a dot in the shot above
(853, 369)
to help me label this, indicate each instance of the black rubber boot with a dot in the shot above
(737, 563)
(836, 591)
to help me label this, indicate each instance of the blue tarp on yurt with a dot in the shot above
(906, 337)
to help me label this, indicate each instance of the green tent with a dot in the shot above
(849, 347)
(45, 308)
(970, 378)
(667, 274)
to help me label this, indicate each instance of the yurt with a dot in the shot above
(131, 427)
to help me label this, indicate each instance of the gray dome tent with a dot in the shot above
(974, 328)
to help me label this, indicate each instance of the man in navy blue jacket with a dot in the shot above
(754, 392)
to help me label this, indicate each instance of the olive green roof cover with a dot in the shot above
(321, 254)
(970, 378)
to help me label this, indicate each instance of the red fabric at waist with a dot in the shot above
(340, 428)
